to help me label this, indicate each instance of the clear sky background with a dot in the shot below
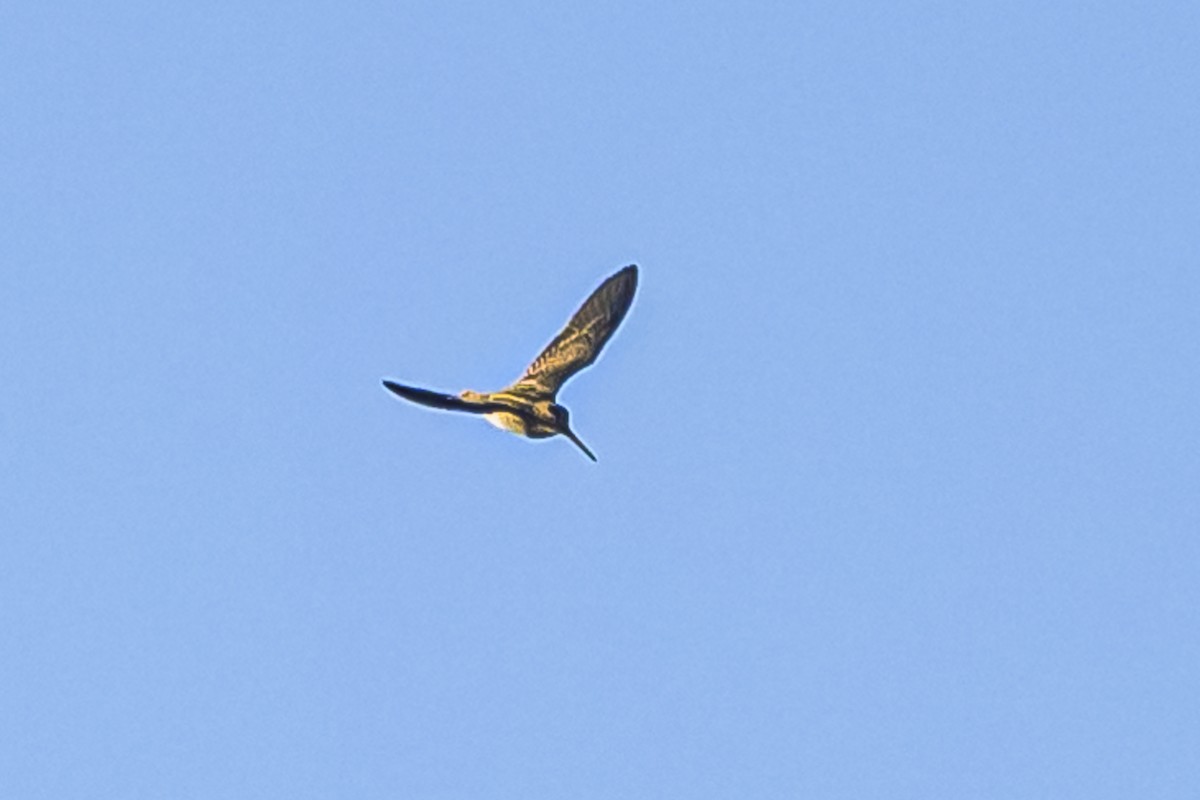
(898, 481)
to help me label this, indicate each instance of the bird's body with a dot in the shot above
(528, 406)
(532, 418)
(507, 421)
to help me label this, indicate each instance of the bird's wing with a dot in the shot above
(580, 342)
(446, 402)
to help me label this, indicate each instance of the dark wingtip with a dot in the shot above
(632, 272)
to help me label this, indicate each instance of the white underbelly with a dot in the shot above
(506, 421)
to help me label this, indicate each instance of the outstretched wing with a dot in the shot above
(446, 402)
(580, 342)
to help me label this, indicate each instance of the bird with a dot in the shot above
(528, 407)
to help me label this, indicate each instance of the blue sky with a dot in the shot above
(897, 489)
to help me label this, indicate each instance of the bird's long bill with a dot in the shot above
(446, 402)
(570, 434)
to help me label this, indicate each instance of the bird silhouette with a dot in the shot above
(528, 407)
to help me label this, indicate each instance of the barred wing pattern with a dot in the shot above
(580, 342)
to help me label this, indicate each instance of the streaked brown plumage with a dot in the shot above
(528, 406)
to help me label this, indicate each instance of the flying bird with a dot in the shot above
(528, 406)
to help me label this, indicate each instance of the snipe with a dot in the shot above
(528, 407)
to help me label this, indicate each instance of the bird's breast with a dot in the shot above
(518, 424)
(507, 421)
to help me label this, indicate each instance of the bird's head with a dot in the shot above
(561, 416)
